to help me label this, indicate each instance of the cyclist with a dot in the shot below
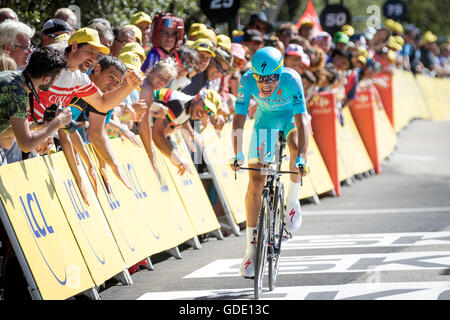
(281, 106)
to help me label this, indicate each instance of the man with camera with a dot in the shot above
(18, 91)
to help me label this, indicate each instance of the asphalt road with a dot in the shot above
(385, 237)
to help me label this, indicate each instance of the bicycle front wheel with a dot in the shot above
(277, 236)
(261, 248)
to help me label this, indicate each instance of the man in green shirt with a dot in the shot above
(16, 91)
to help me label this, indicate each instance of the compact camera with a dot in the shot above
(50, 114)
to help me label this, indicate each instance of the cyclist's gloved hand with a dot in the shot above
(301, 164)
(237, 161)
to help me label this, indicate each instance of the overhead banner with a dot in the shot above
(41, 228)
(88, 223)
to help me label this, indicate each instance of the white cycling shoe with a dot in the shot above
(293, 218)
(247, 269)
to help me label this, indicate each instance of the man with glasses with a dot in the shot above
(122, 36)
(15, 41)
(281, 106)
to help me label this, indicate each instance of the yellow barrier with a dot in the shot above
(192, 192)
(351, 149)
(153, 205)
(88, 224)
(437, 96)
(41, 228)
(219, 150)
(133, 238)
(319, 173)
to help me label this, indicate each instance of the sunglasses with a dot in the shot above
(220, 68)
(186, 66)
(289, 33)
(266, 79)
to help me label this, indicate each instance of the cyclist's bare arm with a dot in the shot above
(301, 121)
(237, 133)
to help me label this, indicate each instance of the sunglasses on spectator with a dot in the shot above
(210, 113)
(169, 34)
(30, 47)
(289, 33)
(266, 79)
(186, 66)
(220, 68)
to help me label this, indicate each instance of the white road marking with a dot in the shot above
(368, 240)
(431, 290)
(374, 211)
(371, 262)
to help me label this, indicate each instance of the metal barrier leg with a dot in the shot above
(149, 265)
(194, 243)
(124, 278)
(92, 294)
(174, 252)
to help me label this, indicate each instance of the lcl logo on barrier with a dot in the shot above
(38, 231)
(81, 213)
(77, 205)
(42, 231)
(134, 181)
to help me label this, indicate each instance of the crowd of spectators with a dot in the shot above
(152, 75)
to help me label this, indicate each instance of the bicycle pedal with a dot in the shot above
(250, 278)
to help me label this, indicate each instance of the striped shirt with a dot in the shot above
(66, 86)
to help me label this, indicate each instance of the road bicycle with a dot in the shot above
(271, 231)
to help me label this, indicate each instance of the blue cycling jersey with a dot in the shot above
(287, 98)
(273, 114)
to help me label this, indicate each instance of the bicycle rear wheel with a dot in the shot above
(261, 248)
(277, 236)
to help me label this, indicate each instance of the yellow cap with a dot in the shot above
(398, 28)
(205, 45)
(390, 24)
(135, 48)
(189, 43)
(213, 101)
(205, 34)
(137, 31)
(90, 36)
(348, 30)
(237, 33)
(140, 17)
(131, 60)
(195, 27)
(363, 52)
(224, 42)
(393, 44)
(307, 21)
(62, 38)
(399, 40)
(429, 37)
(391, 56)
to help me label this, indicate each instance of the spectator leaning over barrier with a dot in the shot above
(15, 40)
(122, 36)
(159, 77)
(16, 89)
(8, 14)
(53, 28)
(295, 58)
(81, 52)
(6, 63)
(323, 41)
(107, 75)
(144, 22)
(181, 109)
